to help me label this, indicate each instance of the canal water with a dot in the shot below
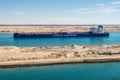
(8, 40)
(101, 71)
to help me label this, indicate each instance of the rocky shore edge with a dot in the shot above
(56, 62)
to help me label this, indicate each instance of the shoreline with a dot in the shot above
(44, 63)
(12, 56)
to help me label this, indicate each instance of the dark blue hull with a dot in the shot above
(53, 35)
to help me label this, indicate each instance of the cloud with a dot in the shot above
(98, 9)
(17, 13)
(85, 10)
(117, 2)
(106, 9)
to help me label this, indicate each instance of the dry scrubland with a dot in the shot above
(39, 29)
(27, 56)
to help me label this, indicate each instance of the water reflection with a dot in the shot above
(97, 40)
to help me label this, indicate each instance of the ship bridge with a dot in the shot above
(99, 29)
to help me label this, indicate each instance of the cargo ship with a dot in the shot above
(93, 32)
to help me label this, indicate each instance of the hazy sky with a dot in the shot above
(60, 11)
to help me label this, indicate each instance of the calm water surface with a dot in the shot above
(101, 71)
(8, 40)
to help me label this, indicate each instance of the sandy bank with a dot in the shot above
(11, 56)
(40, 29)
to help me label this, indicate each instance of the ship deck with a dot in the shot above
(52, 32)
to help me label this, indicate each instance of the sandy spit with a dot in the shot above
(11, 56)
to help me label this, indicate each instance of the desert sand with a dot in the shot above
(11, 56)
(38, 29)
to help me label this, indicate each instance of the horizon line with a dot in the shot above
(58, 24)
